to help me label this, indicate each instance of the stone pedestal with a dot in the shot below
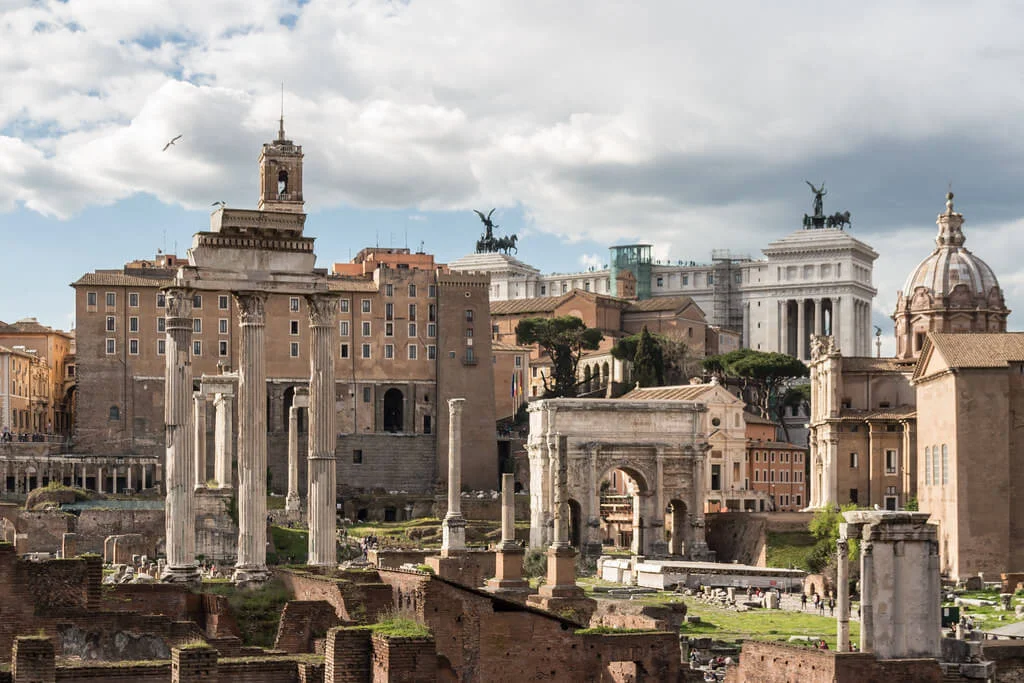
(252, 441)
(453, 528)
(180, 438)
(323, 435)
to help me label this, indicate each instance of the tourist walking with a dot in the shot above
(803, 602)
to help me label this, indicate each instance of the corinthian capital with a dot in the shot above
(251, 307)
(178, 302)
(323, 310)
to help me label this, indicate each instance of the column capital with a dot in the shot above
(323, 309)
(842, 547)
(178, 306)
(251, 307)
(455, 405)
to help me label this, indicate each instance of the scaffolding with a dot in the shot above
(727, 306)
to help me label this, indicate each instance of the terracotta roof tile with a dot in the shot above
(115, 278)
(896, 413)
(869, 364)
(979, 350)
(539, 304)
(685, 392)
(505, 346)
(660, 303)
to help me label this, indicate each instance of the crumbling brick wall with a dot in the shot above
(303, 622)
(780, 663)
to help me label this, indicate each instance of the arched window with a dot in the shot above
(927, 465)
(945, 464)
(115, 413)
(282, 182)
(935, 464)
(393, 410)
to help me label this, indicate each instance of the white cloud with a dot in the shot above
(592, 261)
(688, 126)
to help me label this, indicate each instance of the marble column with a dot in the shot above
(801, 328)
(843, 595)
(819, 321)
(454, 525)
(292, 502)
(99, 481)
(784, 326)
(222, 433)
(830, 495)
(837, 328)
(180, 517)
(508, 561)
(199, 406)
(130, 482)
(867, 580)
(251, 565)
(322, 496)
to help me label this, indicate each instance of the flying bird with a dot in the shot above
(173, 140)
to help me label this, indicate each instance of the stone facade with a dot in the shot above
(969, 388)
(658, 444)
(863, 445)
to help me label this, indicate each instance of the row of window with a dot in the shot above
(783, 457)
(293, 327)
(412, 350)
(891, 461)
(783, 476)
(223, 303)
(932, 462)
(389, 290)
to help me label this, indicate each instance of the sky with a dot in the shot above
(691, 126)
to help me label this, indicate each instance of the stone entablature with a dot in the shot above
(657, 443)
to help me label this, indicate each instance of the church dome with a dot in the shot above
(951, 264)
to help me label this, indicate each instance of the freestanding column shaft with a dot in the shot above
(843, 595)
(252, 440)
(867, 615)
(453, 530)
(560, 538)
(180, 517)
(292, 503)
(508, 510)
(222, 441)
(323, 433)
(200, 448)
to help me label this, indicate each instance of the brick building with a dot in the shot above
(777, 470)
(410, 336)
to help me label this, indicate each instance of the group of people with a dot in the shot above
(820, 604)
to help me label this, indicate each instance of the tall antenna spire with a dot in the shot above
(280, 130)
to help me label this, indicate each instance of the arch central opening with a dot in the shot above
(621, 512)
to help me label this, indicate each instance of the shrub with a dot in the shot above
(535, 563)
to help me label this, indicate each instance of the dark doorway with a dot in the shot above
(393, 409)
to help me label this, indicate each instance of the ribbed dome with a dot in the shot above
(951, 264)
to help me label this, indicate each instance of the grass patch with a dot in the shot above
(732, 626)
(257, 610)
(291, 546)
(275, 502)
(609, 631)
(400, 627)
(789, 549)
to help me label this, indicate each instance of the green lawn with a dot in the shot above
(789, 549)
(291, 546)
(760, 624)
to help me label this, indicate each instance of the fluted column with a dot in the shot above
(252, 440)
(292, 503)
(180, 517)
(801, 328)
(323, 433)
(453, 529)
(222, 433)
(199, 406)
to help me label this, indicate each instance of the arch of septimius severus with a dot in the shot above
(253, 254)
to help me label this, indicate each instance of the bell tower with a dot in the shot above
(281, 174)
